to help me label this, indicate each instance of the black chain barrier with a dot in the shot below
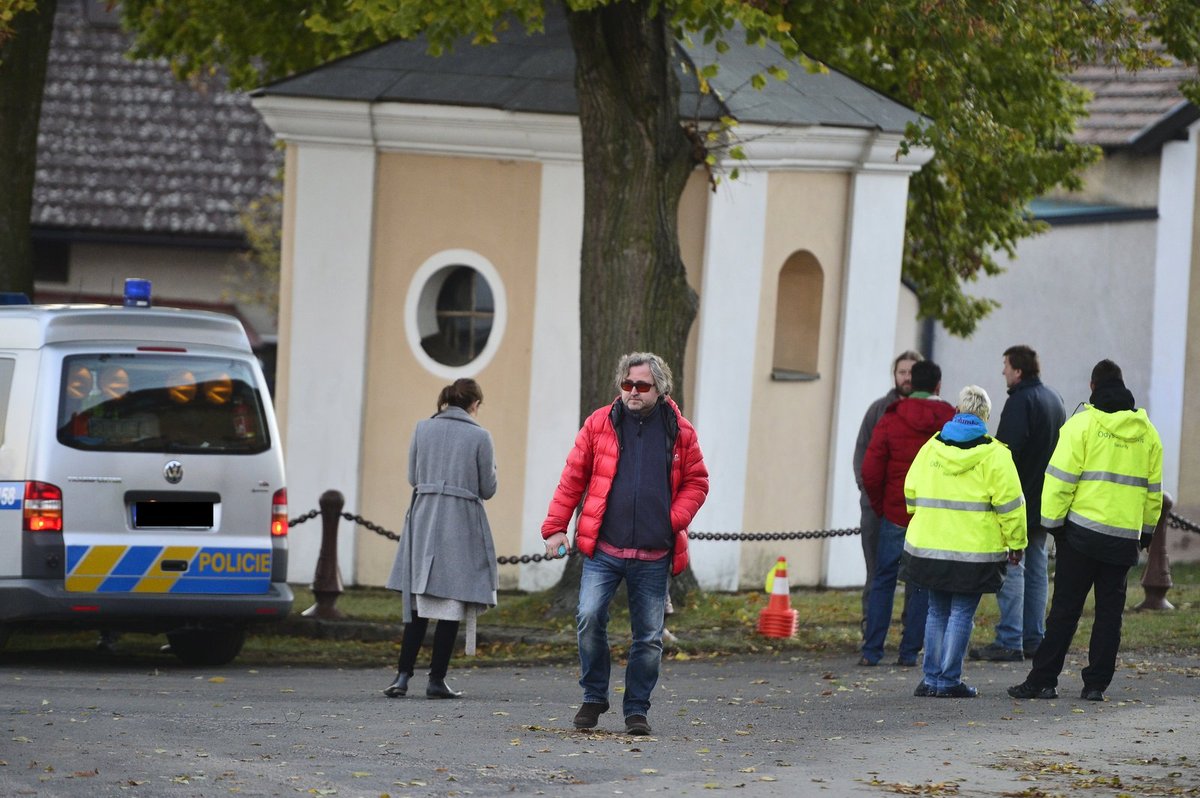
(757, 536)
(1173, 520)
(1179, 522)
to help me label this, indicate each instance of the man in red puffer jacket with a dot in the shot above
(905, 427)
(637, 466)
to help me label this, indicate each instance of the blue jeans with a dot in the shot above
(883, 596)
(947, 635)
(1022, 598)
(646, 583)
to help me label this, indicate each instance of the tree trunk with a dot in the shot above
(634, 294)
(22, 82)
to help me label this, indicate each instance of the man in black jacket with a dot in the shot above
(1029, 426)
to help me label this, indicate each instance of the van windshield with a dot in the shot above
(161, 403)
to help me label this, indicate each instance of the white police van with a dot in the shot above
(141, 477)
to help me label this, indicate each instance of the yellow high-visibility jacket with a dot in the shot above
(1105, 479)
(968, 513)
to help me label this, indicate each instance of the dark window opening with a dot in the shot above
(465, 310)
(51, 261)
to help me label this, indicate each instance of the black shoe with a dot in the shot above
(437, 688)
(1029, 653)
(924, 690)
(589, 714)
(1092, 694)
(636, 724)
(906, 663)
(1027, 690)
(866, 663)
(399, 687)
(959, 690)
(994, 653)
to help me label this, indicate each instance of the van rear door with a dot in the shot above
(167, 474)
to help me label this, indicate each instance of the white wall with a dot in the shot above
(1076, 294)
(331, 278)
(1176, 249)
(869, 316)
(554, 359)
(729, 306)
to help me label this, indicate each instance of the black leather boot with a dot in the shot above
(438, 688)
(399, 687)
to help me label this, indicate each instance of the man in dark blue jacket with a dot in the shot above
(1029, 426)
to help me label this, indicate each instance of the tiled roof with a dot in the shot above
(125, 148)
(536, 74)
(1139, 110)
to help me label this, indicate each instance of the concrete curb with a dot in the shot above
(371, 631)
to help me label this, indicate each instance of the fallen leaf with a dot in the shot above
(217, 679)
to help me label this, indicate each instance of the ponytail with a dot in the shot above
(462, 393)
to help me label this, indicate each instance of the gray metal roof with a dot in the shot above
(125, 148)
(535, 73)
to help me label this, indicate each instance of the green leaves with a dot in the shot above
(991, 77)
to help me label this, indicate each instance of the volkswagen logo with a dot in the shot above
(173, 472)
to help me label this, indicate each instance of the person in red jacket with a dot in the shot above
(637, 466)
(905, 427)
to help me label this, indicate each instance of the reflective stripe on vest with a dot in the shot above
(1103, 529)
(955, 556)
(972, 507)
(1105, 476)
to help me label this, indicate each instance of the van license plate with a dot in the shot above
(193, 515)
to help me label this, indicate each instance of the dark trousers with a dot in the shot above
(444, 635)
(1075, 574)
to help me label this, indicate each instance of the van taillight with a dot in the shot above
(43, 507)
(279, 519)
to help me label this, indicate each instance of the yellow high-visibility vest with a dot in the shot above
(968, 503)
(1105, 474)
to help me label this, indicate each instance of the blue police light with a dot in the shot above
(137, 293)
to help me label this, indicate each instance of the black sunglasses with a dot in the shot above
(639, 386)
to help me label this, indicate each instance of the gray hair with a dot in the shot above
(664, 382)
(974, 400)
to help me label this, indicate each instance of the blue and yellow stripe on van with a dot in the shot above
(139, 569)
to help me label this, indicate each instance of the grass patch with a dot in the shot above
(709, 625)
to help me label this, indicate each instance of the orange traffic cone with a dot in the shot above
(778, 619)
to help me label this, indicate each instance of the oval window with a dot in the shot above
(455, 313)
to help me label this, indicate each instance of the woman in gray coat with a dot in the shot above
(446, 564)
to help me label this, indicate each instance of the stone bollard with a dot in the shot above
(1156, 581)
(327, 581)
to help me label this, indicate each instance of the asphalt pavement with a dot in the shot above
(772, 726)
